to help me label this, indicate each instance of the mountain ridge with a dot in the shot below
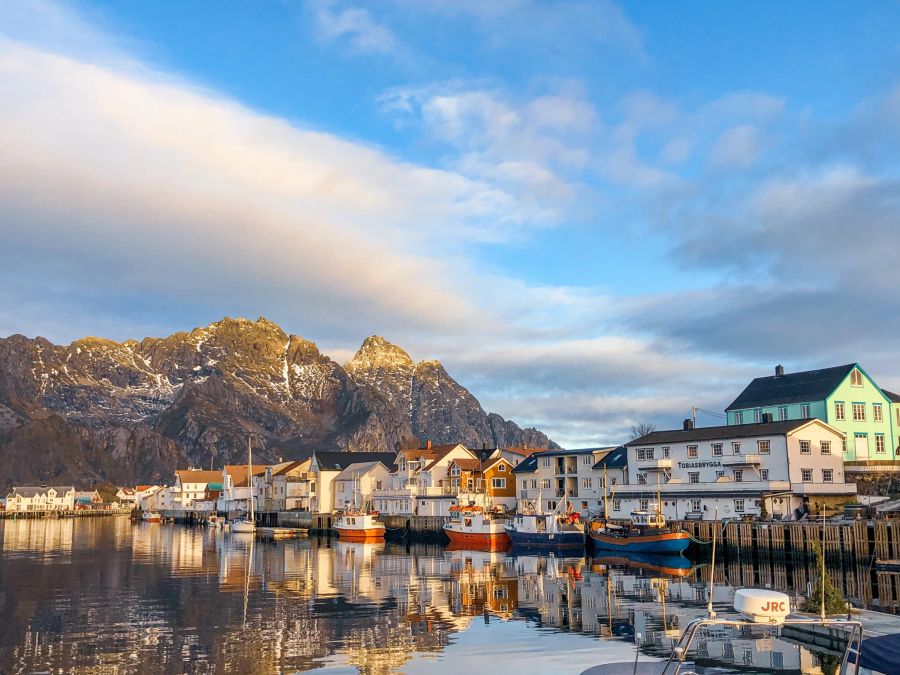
(193, 398)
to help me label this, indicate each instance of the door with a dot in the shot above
(862, 446)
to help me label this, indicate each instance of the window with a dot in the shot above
(762, 447)
(719, 474)
(844, 444)
(738, 505)
(879, 444)
(859, 412)
(545, 462)
(825, 447)
(804, 411)
(498, 483)
(738, 476)
(757, 415)
(695, 505)
(641, 453)
(856, 378)
(806, 475)
(717, 449)
(645, 504)
(693, 477)
(502, 468)
(877, 414)
(534, 484)
(805, 447)
(839, 413)
(764, 474)
(642, 479)
(617, 504)
(692, 451)
(545, 484)
(782, 413)
(586, 482)
(587, 460)
(524, 484)
(454, 470)
(665, 451)
(739, 418)
(736, 447)
(827, 475)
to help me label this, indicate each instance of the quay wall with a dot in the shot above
(76, 513)
(415, 528)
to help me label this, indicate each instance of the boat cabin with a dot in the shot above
(648, 519)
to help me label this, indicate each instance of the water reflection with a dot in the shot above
(103, 594)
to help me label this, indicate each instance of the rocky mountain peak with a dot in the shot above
(376, 352)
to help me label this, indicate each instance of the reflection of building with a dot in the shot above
(41, 499)
(46, 535)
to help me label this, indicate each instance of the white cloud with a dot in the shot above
(736, 148)
(356, 26)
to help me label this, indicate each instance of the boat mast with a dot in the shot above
(658, 497)
(250, 477)
(605, 497)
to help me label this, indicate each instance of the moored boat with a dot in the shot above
(472, 527)
(358, 525)
(151, 517)
(647, 533)
(535, 529)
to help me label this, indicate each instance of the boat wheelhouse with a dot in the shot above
(531, 527)
(476, 528)
(357, 525)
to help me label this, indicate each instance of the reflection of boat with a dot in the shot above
(151, 517)
(359, 525)
(214, 521)
(532, 527)
(646, 534)
(668, 565)
(471, 527)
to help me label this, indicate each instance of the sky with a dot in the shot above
(594, 214)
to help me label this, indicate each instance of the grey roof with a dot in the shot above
(338, 461)
(717, 433)
(617, 458)
(527, 465)
(356, 470)
(809, 385)
(32, 491)
(895, 398)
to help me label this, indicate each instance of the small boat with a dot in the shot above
(647, 533)
(215, 521)
(151, 517)
(247, 525)
(359, 525)
(533, 528)
(472, 527)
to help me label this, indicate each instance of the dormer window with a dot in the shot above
(856, 378)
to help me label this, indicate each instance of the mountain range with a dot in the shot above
(134, 411)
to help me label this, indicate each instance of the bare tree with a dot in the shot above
(641, 429)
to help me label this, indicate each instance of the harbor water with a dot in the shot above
(105, 595)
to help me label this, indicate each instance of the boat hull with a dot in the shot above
(360, 534)
(479, 541)
(660, 542)
(546, 540)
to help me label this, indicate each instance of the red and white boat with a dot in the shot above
(472, 527)
(151, 517)
(356, 525)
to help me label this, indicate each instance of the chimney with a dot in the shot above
(688, 424)
(779, 370)
(767, 418)
(428, 445)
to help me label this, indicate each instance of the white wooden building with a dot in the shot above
(42, 498)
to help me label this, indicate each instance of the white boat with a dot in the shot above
(473, 527)
(247, 525)
(151, 517)
(359, 525)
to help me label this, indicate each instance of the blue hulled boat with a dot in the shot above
(646, 534)
(546, 530)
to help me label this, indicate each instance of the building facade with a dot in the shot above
(845, 397)
(41, 499)
(552, 476)
(782, 469)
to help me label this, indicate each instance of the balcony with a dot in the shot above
(662, 464)
(823, 488)
(742, 460)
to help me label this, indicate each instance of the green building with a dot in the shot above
(844, 396)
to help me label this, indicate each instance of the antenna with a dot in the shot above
(712, 570)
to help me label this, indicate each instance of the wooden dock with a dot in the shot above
(281, 532)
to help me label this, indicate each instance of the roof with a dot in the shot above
(214, 487)
(194, 476)
(467, 463)
(29, 491)
(492, 462)
(443, 451)
(721, 432)
(238, 473)
(527, 465)
(338, 461)
(525, 451)
(287, 467)
(616, 458)
(809, 385)
(143, 488)
(895, 398)
(357, 470)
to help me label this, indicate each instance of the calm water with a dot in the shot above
(104, 595)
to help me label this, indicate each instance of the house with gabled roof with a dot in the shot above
(328, 465)
(237, 486)
(42, 498)
(845, 397)
(356, 485)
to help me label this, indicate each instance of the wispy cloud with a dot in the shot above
(353, 25)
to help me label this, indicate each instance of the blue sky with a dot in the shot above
(593, 213)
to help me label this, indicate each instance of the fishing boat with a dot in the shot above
(647, 533)
(151, 517)
(534, 528)
(247, 525)
(359, 525)
(473, 527)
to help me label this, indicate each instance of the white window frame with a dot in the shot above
(717, 450)
(696, 505)
(827, 475)
(586, 483)
(693, 451)
(804, 411)
(644, 505)
(803, 475)
(739, 506)
(616, 504)
(738, 475)
(736, 447)
(764, 474)
(764, 446)
(859, 412)
(856, 378)
(498, 483)
(880, 447)
(840, 411)
(805, 447)
(692, 475)
(825, 447)
(877, 413)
